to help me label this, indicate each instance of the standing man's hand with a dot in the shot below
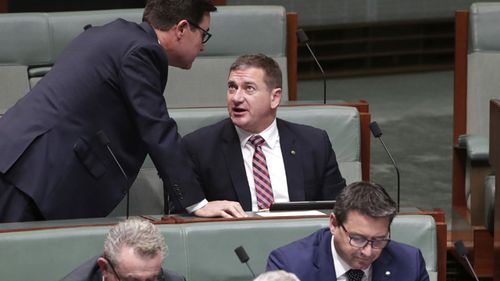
(221, 208)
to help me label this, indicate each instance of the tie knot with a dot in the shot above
(355, 274)
(256, 140)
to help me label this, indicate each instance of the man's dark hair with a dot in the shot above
(163, 14)
(367, 198)
(272, 71)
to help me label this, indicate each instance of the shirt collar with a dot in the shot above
(270, 135)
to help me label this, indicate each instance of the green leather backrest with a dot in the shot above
(35, 41)
(482, 65)
(200, 251)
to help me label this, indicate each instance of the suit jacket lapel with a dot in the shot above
(383, 268)
(323, 259)
(291, 157)
(234, 160)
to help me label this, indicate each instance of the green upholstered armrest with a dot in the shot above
(477, 147)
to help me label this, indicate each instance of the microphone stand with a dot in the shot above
(302, 36)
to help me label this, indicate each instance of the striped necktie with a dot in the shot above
(263, 189)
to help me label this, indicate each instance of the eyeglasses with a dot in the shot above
(113, 268)
(359, 241)
(119, 278)
(205, 36)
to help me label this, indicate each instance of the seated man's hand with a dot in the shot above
(222, 208)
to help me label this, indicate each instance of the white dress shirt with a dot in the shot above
(274, 159)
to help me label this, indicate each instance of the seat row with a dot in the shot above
(199, 250)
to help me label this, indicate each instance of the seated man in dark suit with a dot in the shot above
(255, 158)
(359, 231)
(133, 250)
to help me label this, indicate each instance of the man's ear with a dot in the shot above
(275, 97)
(180, 28)
(333, 223)
(103, 264)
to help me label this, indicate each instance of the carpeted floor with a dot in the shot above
(414, 112)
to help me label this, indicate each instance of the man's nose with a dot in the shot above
(367, 249)
(238, 95)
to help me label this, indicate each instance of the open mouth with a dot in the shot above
(238, 110)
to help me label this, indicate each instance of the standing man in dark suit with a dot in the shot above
(356, 245)
(107, 84)
(298, 162)
(133, 250)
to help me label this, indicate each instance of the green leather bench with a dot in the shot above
(342, 123)
(201, 251)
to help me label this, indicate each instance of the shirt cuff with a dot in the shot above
(197, 206)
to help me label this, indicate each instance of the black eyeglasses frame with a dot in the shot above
(205, 35)
(367, 241)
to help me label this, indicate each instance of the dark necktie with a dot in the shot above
(355, 275)
(263, 189)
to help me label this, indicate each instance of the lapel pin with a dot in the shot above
(292, 152)
(387, 273)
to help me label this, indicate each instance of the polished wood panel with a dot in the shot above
(291, 53)
(460, 106)
(3, 6)
(495, 162)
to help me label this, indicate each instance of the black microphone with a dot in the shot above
(462, 251)
(242, 255)
(302, 36)
(105, 141)
(377, 133)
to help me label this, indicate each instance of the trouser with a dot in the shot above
(15, 205)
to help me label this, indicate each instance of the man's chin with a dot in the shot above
(363, 264)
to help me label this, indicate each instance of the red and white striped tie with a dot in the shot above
(263, 189)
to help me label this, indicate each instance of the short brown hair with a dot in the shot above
(163, 14)
(272, 71)
(367, 198)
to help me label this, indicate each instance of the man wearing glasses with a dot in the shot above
(133, 250)
(103, 99)
(356, 246)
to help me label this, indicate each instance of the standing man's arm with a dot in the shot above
(159, 132)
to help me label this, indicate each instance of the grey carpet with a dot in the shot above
(414, 112)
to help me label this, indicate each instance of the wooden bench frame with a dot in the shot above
(477, 237)
(495, 163)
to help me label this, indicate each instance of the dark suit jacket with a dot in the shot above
(311, 167)
(89, 271)
(109, 79)
(311, 259)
